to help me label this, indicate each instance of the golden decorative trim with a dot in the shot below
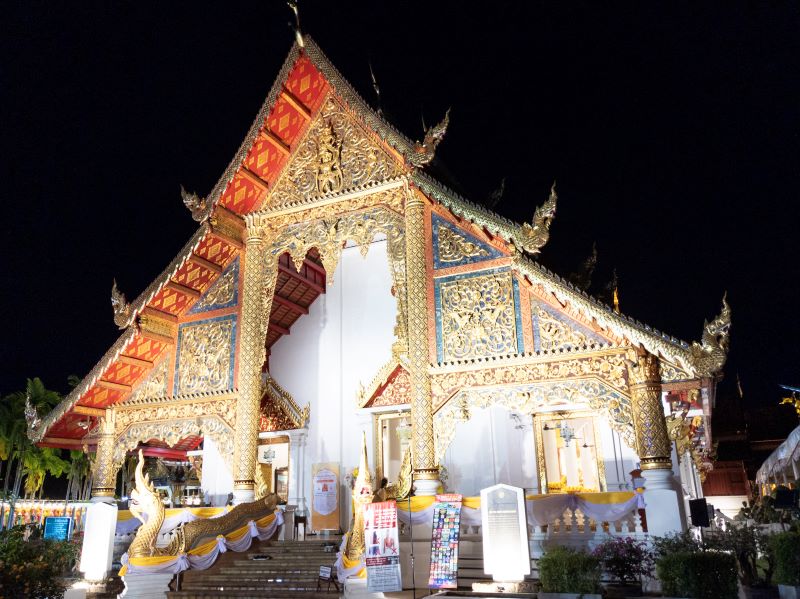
(652, 440)
(417, 315)
(538, 424)
(298, 416)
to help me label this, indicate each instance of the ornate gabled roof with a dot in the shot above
(295, 97)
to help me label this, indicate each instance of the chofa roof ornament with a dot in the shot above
(424, 152)
(535, 235)
(199, 207)
(122, 309)
(708, 357)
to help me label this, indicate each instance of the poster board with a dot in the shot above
(382, 547)
(444, 541)
(325, 496)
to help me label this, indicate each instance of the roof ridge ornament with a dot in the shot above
(424, 152)
(122, 309)
(708, 357)
(534, 236)
(297, 33)
(199, 207)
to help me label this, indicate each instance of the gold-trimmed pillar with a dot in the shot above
(652, 442)
(104, 474)
(257, 290)
(665, 512)
(426, 472)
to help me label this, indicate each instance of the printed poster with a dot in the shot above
(325, 498)
(382, 547)
(444, 541)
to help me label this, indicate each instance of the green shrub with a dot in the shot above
(679, 542)
(786, 546)
(564, 570)
(698, 574)
(33, 568)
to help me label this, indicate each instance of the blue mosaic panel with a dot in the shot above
(452, 246)
(223, 293)
(477, 315)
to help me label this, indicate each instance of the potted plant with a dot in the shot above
(569, 574)
(755, 558)
(786, 547)
(686, 569)
(626, 560)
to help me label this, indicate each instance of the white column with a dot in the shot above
(297, 467)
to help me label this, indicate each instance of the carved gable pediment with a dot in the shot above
(337, 154)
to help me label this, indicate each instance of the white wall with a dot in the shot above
(345, 338)
(618, 458)
(217, 478)
(489, 449)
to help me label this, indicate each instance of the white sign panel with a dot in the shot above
(506, 554)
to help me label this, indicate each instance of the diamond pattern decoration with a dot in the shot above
(306, 83)
(127, 374)
(169, 300)
(216, 250)
(285, 121)
(100, 397)
(194, 275)
(145, 348)
(241, 195)
(265, 159)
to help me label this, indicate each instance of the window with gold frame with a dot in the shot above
(567, 464)
(392, 437)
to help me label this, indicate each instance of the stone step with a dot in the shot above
(272, 594)
(259, 578)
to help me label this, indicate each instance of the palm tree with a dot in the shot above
(32, 462)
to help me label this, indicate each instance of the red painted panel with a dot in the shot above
(306, 83)
(285, 121)
(216, 250)
(145, 348)
(241, 195)
(265, 159)
(127, 374)
(194, 275)
(99, 397)
(169, 300)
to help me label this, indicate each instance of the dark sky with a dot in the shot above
(672, 132)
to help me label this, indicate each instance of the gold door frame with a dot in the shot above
(538, 434)
(379, 419)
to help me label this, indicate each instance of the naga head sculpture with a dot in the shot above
(144, 499)
(717, 332)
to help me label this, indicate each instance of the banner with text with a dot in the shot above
(382, 547)
(444, 541)
(325, 499)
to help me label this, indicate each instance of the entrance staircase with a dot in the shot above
(291, 571)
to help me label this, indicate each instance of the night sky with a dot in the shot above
(672, 133)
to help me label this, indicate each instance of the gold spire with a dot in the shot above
(364, 478)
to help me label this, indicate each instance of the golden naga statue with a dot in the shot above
(708, 356)
(121, 307)
(534, 236)
(402, 488)
(424, 152)
(199, 207)
(145, 501)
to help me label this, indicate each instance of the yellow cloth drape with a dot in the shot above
(203, 549)
(418, 504)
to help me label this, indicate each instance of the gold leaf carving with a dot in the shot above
(362, 160)
(478, 317)
(555, 334)
(155, 385)
(205, 357)
(453, 247)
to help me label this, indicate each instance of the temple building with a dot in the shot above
(335, 287)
